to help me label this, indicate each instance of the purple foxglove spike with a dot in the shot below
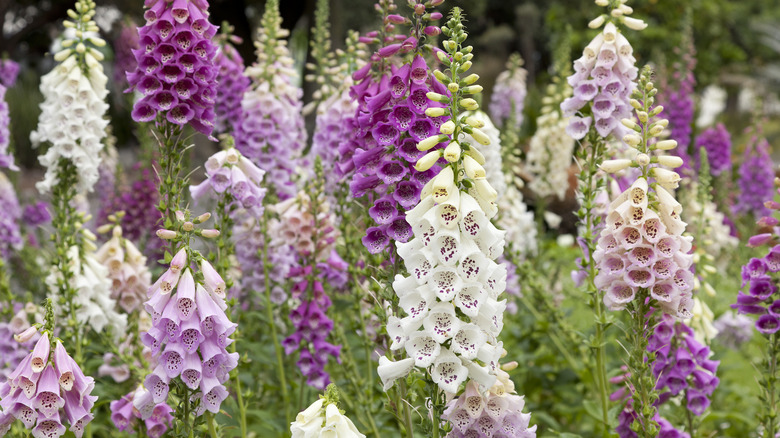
(319, 379)
(291, 343)
(63, 367)
(306, 362)
(418, 98)
(180, 10)
(48, 428)
(157, 384)
(212, 281)
(774, 308)
(40, 354)
(48, 400)
(185, 296)
(78, 414)
(697, 402)
(191, 336)
(191, 373)
(762, 288)
(402, 117)
(768, 324)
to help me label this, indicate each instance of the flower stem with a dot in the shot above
(270, 316)
(769, 419)
(642, 379)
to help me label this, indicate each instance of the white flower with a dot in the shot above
(491, 152)
(389, 371)
(321, 420)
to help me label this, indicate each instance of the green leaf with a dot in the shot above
(593, 409)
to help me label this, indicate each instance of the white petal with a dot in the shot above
(390, 371)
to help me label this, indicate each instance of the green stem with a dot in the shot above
(270, 316)
(212, 427)
(642, 379)
(770, 383)
(408, 424)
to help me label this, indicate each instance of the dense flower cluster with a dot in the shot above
(12, 352)
(43, 384)
(334, 126)
(72, 119)
(127, 271)
(230, 173)
(272, 132)
(682, 364)
(756, 176)
(124, 59)
(138, 405)
(231, 85)
(551, 148)
(518, 222)
(508, 98)
(9, 70)
(95, 307)
(175, 71)
(733, 329)
(496, 413)
(761, 287)
(36, 214)
(604, 77)
(323, 418)
(679, 106)
(190, 333)
(138, 201)
(707, 223)
(451, 266)
(643, 248)
(391, 120)
(717, 142)
(492, 153)
(10, 214)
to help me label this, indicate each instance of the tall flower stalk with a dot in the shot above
(602, 82)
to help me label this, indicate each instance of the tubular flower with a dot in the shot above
(175, 72)
(496, 413)
(508, 98)
(190, 332)
(334, 125)
(272, 132)
(9, 70)
(6, 159)
(492, 153)
(45, 384)
(124, 46)
(127, 270)
(759, 291)
(678, 103)
(604, 77)
(231, 173)
(11, 351)
(231, 85)
(733, 329)
(138, 405)
(73, 109)
(641, 246)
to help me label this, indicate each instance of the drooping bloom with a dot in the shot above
(190, 333)
(127, 271)
(45, 385)
(756, 178)
(496, 413)
(229, 172)
(174, 71)
(272, 132)
(138, 405)
(508, 99)
(604, 77)
(717, 142)
(12, 352)
(72, 118)
(10, 214)
(231, 85)
(323, 418)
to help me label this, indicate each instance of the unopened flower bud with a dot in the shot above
(452, 152)
(427, 161)
(447, 127)
(188, 226)
(642, 159)
(431, 142)
(203, 218)
(470, 79)
(474, 122)
(105, 228)
(166, 234)
(476, 155)
(759, 239)
(485, 190)
(435, 112)
(612, 166)
(436, 97)
(480, 137)
(210, 233)
(666, 145)
(642, 116)
(464, 67)
(179, 215)
(670, 161)
(632, 140)
(473, 169)
(634, 23)
(630, 124)
(656, 130)
(666, 178)
(597, 22)
(509, 366)
(469, 104)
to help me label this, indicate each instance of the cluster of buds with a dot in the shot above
(642, 247)
(186, 225)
